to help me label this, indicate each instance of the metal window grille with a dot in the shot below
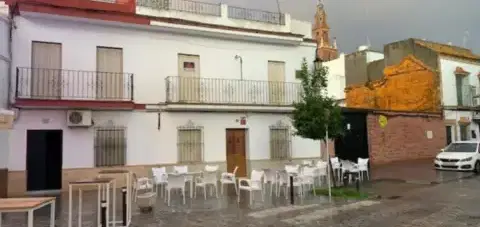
(110, 147)
(190, 144)
(280, 142)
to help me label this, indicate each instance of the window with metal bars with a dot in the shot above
(280, 143)
(110, 147)
(190, 145)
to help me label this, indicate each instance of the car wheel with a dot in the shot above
(477, 167)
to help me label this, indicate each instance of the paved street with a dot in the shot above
(452, 204)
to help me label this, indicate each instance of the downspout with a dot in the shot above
(10, 54)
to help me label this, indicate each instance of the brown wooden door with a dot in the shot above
(236, 152)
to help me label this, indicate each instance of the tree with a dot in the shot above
(316, 111)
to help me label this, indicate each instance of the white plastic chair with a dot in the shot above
(211, 168)
(208, 178)
(363, 167)
(251, 185)
(142, 185)
(350, 167)
(307, 162)
(321, 172)
(184, 170)
(159, 179)
(229, 178)
(336, 167)
(144, 192)
(308, 178)
(175, 181)
(284, 181)
(270, 177)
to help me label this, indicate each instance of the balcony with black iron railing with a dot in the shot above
(187, 6)
(217, 10)
(256, 15)
(214, 91)
(63, 84)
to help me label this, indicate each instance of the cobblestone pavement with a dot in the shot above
(452, 204)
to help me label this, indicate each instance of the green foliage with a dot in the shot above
(316, 109)
(347, 193)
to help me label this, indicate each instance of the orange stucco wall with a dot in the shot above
(408, 86)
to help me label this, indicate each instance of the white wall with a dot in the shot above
(447, 67)
(373, 56)
(4, 63)
(4, 54)
(456, 115)
(291, 25)
(336, 77)
(146, 144)
(152, 56)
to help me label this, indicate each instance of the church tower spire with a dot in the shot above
(326, 50)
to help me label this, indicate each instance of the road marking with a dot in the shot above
(320, 214)
(279, 210)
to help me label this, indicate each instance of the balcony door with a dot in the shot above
(276, 82)
(189, 78)
(110, 81)
(46, 71)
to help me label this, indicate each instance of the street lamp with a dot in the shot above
(317, 63)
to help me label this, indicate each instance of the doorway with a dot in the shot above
(236, 152)
(354, 143)
(449, 130)
(44, 160)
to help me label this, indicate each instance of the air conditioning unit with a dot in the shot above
(79, 118)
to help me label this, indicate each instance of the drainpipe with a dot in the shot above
(238, 57)
(10, 55)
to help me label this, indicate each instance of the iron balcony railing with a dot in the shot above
(256, 15)
(62, 84)
(188, 6)
(188, 90)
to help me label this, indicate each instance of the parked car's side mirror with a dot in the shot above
(442, 150)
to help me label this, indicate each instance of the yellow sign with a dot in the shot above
(382, 120)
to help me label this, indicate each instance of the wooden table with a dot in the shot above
(28, 205)
(128, 179)
(103, 186)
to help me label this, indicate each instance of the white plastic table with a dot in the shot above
(103, 186)
(29, 205)
(128, 180)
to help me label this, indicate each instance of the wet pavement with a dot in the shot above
(450, 204)
(415, 171)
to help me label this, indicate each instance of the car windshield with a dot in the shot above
(461, 147)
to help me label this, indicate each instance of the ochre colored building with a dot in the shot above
(409, 86)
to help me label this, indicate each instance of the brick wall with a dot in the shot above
(331, 149)
(404, 137)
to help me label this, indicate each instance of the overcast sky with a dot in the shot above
(385, 21)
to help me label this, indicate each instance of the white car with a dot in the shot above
(459, 155)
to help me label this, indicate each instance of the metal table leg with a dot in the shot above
(52, 214)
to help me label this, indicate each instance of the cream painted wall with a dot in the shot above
(146, 144)
(336, 77)
(152, 55)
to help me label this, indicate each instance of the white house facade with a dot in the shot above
(168, 85)
(460, 97)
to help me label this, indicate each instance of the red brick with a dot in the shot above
(404, 137)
